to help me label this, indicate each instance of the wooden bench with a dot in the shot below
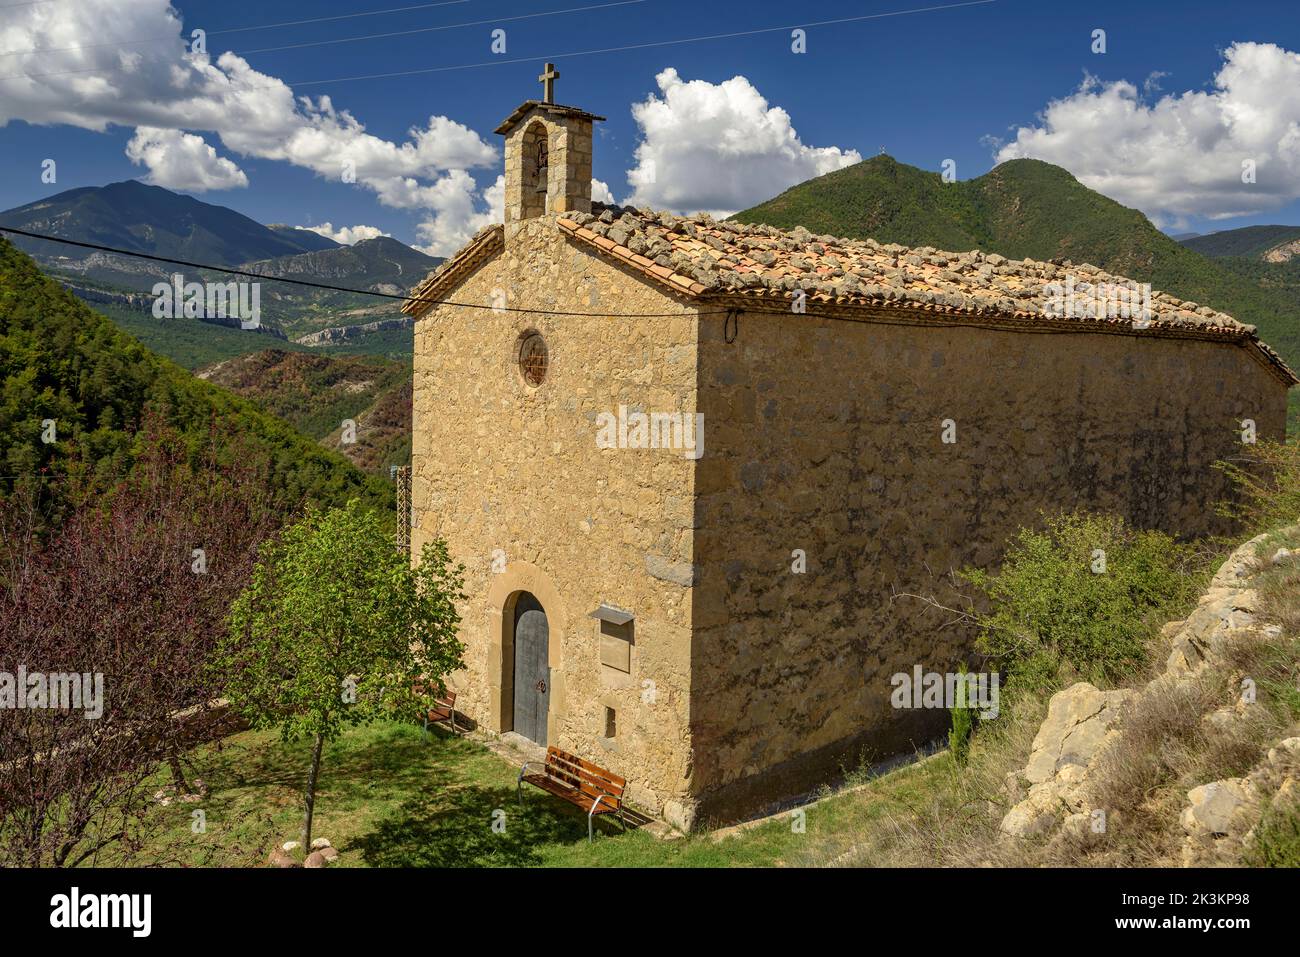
(444, 709)
(579, 782)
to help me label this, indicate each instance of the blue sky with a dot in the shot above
(925, 86)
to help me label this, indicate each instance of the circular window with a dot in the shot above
(533, 359)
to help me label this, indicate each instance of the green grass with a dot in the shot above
(392, 796)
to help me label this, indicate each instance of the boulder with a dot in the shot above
(314, 859)
(280, 858)
(1078, 720)
(1213, 806)
(319, 842)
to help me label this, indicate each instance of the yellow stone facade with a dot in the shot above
(509, 472)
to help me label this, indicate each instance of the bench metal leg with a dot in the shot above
(594, 804)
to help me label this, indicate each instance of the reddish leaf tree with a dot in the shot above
(134, 587)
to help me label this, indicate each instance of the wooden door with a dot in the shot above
(532, 669)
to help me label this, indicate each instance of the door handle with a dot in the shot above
(541, 686)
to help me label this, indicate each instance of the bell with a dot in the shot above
(541, 168)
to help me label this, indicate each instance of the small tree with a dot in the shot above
(336, 629)
(963, 722)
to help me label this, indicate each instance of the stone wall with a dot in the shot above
(825, 436)
(500, 465)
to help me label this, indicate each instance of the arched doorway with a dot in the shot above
(532, 671)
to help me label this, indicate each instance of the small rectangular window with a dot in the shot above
(611, 720)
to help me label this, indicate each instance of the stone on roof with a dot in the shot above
(554, 109)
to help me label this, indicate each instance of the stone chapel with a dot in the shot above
(691, 466)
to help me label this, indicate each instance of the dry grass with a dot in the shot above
(954, 822)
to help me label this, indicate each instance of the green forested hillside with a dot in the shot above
(316, 393)
(61, 361)
(1025, 209)
(1249, 241)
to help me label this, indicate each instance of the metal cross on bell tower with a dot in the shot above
(547, 79)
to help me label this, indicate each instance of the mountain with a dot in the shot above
(61, 361)
(1268, 243)
(152, 220)
(149, 219)
(382, 264)
(303, 237)
(317, 393)
(1026, 209)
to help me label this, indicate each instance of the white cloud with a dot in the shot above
(719, 147)
(600, 191)
(159, 85)
(182, 161)
(347, 235)
(1182, 155)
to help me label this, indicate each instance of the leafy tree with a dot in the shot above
(336, 629)
(1081, 593)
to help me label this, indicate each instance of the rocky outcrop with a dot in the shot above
(1221, 817)
(1082, 722)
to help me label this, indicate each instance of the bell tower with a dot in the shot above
(548, 155)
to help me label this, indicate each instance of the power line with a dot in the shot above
(450, 26)
(311, 43)
(321, 285)
(499, 61)
(315, 43)
(643, 46)
(213, 33)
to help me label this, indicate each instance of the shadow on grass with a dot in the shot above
(433, 798)
(453, 827)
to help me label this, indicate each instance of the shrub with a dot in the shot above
(1083, 592)
(1277, 839)
(1266, 481)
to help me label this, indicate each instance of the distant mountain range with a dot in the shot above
(1267, 243)
(151, 220)
(1031, 209)
(381, 264)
